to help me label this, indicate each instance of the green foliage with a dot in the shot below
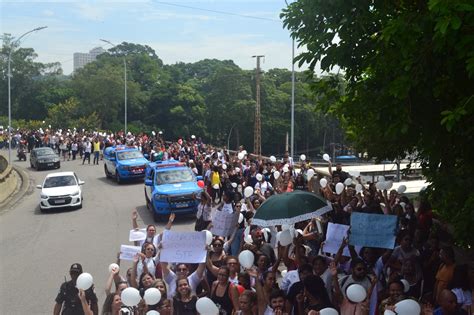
(408, 68)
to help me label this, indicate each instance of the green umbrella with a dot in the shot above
(290, 208)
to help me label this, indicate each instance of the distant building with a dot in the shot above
(81, 59)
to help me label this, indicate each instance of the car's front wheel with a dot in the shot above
(117, 177)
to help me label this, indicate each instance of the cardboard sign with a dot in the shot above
(373, 230)
(183, 247)
(223, 223)
(127, 252)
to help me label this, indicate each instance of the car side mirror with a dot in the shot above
(199, 177)
(39, 186)
(148, 182)
(111, 159)
(81, 182)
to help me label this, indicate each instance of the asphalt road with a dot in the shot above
(37, 249)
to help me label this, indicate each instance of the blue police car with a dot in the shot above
(124, 163)
(170, 186)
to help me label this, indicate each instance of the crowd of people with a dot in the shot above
(300, 278)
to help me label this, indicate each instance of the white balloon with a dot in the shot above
(310, 173)
(224, 166)
(130, 297)
(298, 231)
(285, 169)
(408, 306)
(356, 293)
(206, 306)
(216, 186)
(208, 237)
(278, 236)
(84, 281)
(389, 312)
(273, 159)
(401, 189)
(241, 156)
(348, 181)
(152, 296)
(114, 267)
(323, 182)
(388, 184)
(285, 238)
(152, 312)
(276, 174)
(234, 185)
(283, 273)
(237, 170)
(328, 311)
(359, 188)
(246, 258)
(406, 285)
(241, 217)
(248, 191)
(339, 188)
(303, 157)
(326, 157)
(381, 178)
(380, 185)
(259, 177)
(244, 152)
(266, 233)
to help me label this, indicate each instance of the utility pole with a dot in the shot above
(257, 137)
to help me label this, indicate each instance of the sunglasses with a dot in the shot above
(217, 245)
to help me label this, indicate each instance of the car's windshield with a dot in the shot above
(59, 181)
(174, 176)
(127, 155)
(45, 151)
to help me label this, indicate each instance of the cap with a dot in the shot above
(76, 268)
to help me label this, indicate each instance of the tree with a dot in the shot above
(409, 72)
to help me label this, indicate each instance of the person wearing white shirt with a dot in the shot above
(182, 270)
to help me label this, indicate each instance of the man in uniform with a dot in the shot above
(68, 297)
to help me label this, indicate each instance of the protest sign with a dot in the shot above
(373, 230)
(334, 236)
(183, 247)
(137, 235)
(223, 223)
(127, 252)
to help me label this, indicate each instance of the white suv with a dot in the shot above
(60, 190)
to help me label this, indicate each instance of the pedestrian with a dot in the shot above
(68, 301)
(96, 147)
(87, 152)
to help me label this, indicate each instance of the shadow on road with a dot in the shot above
(147, 217)
(38, 211)
(112, 181)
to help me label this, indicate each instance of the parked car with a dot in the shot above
(170, 186)
(62, 189)
(44, 157)
(122, 163)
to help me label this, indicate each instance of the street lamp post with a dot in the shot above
(9, 75)
(292, 141)
(125, 83)
(228, 136)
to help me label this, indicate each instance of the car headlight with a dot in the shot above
(43, 196)
(158, 197)
(42, 161)
(75, 194)
(56, 159)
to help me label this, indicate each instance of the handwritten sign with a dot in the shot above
(127, 252)
(373, 230)
(334, 236)
(183, 247)
(223, 223)
(137, 235)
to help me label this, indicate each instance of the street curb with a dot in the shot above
(23, 187)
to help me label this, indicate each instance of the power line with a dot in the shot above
(216, 11)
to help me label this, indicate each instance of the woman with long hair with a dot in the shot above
(224, 293)
(184, 302)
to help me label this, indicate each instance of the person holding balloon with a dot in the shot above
(68, 300)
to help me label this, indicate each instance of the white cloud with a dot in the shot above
(48, 12)
(164, 15)
(91, 12)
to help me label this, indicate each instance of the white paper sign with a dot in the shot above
(137, 235)
(334, 236)
(183, 247)
(223, 223)
(127, 252)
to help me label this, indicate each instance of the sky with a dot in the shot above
(178, 30)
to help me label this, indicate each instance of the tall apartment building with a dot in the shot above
(81, 59)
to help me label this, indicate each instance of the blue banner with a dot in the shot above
(373, 230)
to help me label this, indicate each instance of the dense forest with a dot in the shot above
(212, 99)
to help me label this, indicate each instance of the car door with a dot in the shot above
(149, 189)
